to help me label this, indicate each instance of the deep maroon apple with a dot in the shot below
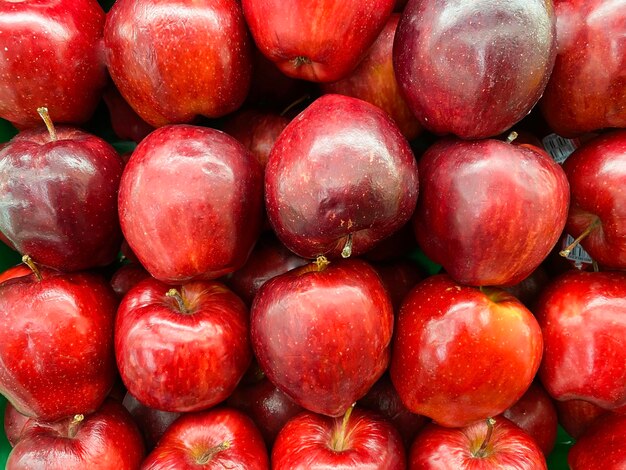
(399, 277)
(152, 423)
(340, 178)
(125, 122)
(126, 277)
(576, 415)
(601, 445)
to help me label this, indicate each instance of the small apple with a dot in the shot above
(152, 423)
(575, 416)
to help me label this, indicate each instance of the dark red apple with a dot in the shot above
(399, 277)
(489, 212)
(528, 290)
(126, 277)
(321, 333)
(175, 59)
(125, 122)
(3, 238)
(583, 318)
(474, 69)
(56, 353)
(217, 439)
(576, 415)
(107, 439)
(461, 354)
(51, 56)
(359, 440)
(483, 445)
(191, 203)
(601, 445)
(586, 89)
(152, 423)
(340, 178)
(320, 41)
(58, 192)
(181, 348)
(15, 424)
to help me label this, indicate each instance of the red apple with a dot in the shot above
(493, 445)
(576, 415)
(181, 348)
(474, 69)
(126, 277)
(51, 56)
(175, 59)
(125, 122)
(601, 445)
(212, 440)
(586, 89)
(152, 423)
(3, 238)
(489, 212)
(597, 176)
(359, 440)
(340, 178)
(583, 318)
(461, 354)
(58, 192)
(56, 353)
(320, 41)
(191, 203)
(107, 439)
(399, 277)
(528, 290)
(321, 333)
(15, 424)
(20, 270)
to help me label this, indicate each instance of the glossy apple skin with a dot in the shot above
(480, 239)
(340, 167)
(582, 96)
(576, 415)
(56, 356)
(374, 81)
(105, 440)
(323, 336)
(194, 434)
(308, 442)
(191, 203)
(597, 175)
(15, 424)
(20, 270)
(179, 361)
(176, 59)
(583, 318)
(601, 445)
(437, 447)
(535, 414)
(319, 41)
(59, 198)
(505, 50)
(51, 57)
(441, 324)
(152, 423)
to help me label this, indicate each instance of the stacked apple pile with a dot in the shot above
(268, 310)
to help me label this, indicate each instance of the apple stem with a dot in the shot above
(209, 454)
(347, 249)
(564, 253)
(179, 300)
(339, 439)
(45, 115)
(28, 261)
(295, 103)
(74, 425)
(321, 262)
(511, 137)
(482, 450)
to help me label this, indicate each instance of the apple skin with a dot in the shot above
(480, 239)
(399, 278)
(126, 277)
(180, 360)
(341, 168)
(374, 81)
(51, 57)
(576, 415)
(474, 69)
(105, 440)
(152, 423)
(322, 334)
(173, 60)
(583, 96)
(189, 440)
(441, 324)
(437, 447)
(601, 445)
(528, 290)
(597, 175)
(15, 424)
(20, 270)
(583, 318)
(59, 198)
(321, 41)
(56, 356)
(313, 442)
(126, 124)
(206, 215)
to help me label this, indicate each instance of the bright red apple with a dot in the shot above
(217, 439)
(461, 354)
(321, 333)
(152, 423)
(320, 40)
(191, 203)
(20, 270)
(601, 445)
(476, 68)
(340, 178)
(576, 415)
(175, 59)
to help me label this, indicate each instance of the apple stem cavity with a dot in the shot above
(45, 115)
(173, 293)
(75, 425)
(568, 249)
(338, 442)
(482, 450)
(212, 452)
(28, 261)
(321, 262)
(347, 249)
(300, 61)
(511, 137)
(300, 100)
